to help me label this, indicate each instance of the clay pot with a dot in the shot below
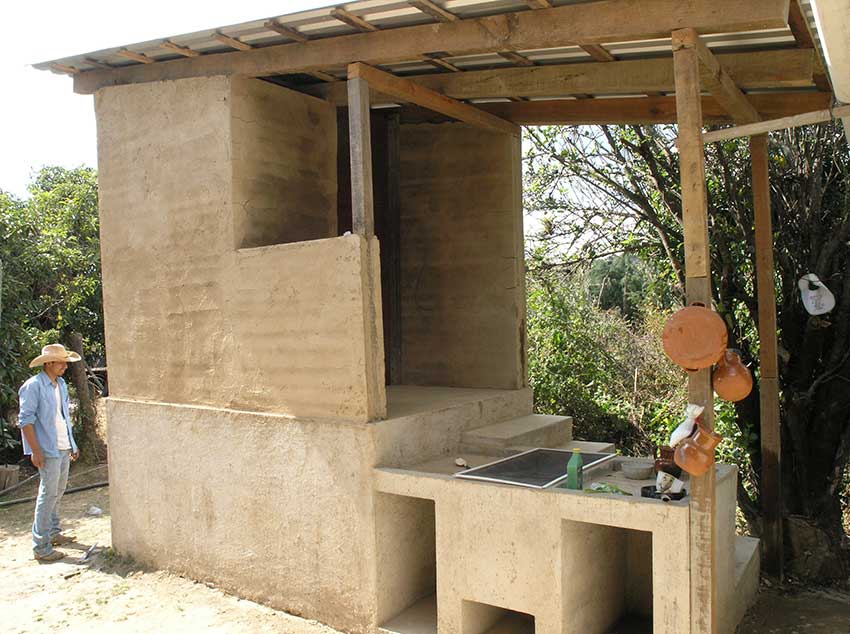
(696, 453)
(732, 380)
(664, 461)
(694, 337)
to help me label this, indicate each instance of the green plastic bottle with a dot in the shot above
(575, 471)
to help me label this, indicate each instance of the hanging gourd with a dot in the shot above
(732, 380)
(817, 298)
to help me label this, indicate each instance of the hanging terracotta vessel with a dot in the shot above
(696, 453)
(732, 380)
(694, 337)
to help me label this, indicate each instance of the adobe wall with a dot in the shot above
(462, 268)
(185, 177)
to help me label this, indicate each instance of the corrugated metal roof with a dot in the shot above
(388, 14)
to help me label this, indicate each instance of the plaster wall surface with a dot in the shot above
(462, 269)
(191, 319)
(274, 509)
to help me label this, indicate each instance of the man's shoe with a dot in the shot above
(59, 539)
(53, 555)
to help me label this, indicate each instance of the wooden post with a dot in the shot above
(393, 257)
(360, 147)
(703, 569)
(771, 485)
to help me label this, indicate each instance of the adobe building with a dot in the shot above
(312, 245)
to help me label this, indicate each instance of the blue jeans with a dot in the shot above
(54, 478)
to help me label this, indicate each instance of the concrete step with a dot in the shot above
(534, 430)
(747, 573)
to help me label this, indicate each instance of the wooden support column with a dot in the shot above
(393, 256)
(703, 569)
(771, 482)
(360, 146)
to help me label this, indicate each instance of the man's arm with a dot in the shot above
(37, 456)
(28, 403)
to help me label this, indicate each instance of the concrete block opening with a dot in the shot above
(607, 579)
(406, 564)
(482, 618)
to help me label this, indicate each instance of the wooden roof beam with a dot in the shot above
(770, 69)
(516, 58)
(285, 31)
(715, 79)
(232, 42)
(539, 4)
(588, 23)
(136, 57)
(801, 30)
(412, 92)
(180, 50)
(352, 20)
(65, 70)
(434, 10)
(598, 52)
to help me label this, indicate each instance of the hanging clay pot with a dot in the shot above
(732, 380)
(694, 337)
(696, 453)
(817, 298)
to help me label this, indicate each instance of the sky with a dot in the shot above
(42, 121)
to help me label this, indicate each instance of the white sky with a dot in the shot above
(42, 121)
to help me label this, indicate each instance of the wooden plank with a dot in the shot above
(360, 142)
(588, 23)
(762, 127)
(753, 71)
(393, 272)
(181, 50)
(62, 68)
(516, 58)
(719, 83)
(138, 57)
(232, 42)
(352, 20)
(441, 63)
(638, 110)
(318, 74)
(801, 30)
(539, 4)
(414, 93)
(434, 10)
(598, 52)
(286, 31)
(96, 63)
(771, 444)
(703, 570)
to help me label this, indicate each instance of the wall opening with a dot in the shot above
(406, 564)
(482, 618)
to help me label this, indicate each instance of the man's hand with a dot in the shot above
(37, 458)
(75, 455)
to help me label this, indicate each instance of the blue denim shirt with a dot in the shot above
(38, 408)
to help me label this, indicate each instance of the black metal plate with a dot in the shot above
(536, 468)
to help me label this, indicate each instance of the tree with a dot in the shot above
(601, 190)
(50, 253)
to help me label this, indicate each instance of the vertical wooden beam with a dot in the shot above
(393, 257)
(703, 569)
(360, 146)
(771, 483)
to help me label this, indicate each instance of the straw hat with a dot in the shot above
(54, 352)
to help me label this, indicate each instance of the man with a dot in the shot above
(45, 424)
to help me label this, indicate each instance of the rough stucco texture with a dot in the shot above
(461, 258)
(189, 318)
(273, 509)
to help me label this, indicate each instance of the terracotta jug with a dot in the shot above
(696, 453)
(695, 337)
(732, 379)
(664, 461)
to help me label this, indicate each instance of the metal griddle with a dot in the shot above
(535, 468)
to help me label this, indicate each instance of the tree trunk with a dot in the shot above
(87, 442)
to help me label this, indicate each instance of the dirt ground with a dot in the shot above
(110, 593)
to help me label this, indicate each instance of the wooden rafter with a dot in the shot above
(715, 79)
(181, 50)
(516, 58)
(594, 22)
(96, 63)
(318, 74)
(791, 121)
(62, 68)
(539, 4)
(286, 31)
(772, 69)
(598, 52)
(637, 110)
(802, 32)
(347, 17)
(434, 10)
(439, 62)
(414, 93)
(138, 57)
(232, 42)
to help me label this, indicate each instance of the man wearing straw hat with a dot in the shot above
(45, 423)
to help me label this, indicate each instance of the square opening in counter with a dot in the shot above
(483, 618)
